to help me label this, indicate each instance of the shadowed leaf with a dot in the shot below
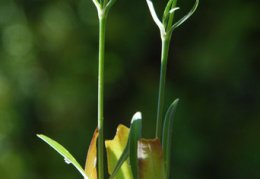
(167, 135)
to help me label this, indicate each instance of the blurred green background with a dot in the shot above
(48, 84)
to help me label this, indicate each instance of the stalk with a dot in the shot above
(102, 29)
(160, 107)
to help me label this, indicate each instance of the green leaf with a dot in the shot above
(135, 135)
(117, 154)
(69, 159)
(187, 16)
(167, 135)
(150, 159)
(166, 11)
(169, 13)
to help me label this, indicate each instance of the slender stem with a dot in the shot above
(102, 28)
(160, 107)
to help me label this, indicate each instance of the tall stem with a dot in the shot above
(160, 107)
(102, 28)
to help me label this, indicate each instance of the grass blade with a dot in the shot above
(167, 135)
(69, 159)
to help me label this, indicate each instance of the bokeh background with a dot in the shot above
(48, 84)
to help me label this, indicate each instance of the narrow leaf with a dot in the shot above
(114, 150)
(69, 159)
(167, 135)
(187, 16)
(135, 135)
(166, 11)
(91, 161)
(150, 159)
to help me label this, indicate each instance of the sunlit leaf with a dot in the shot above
(167, 135)
(150, 159)
(69, 159)
(115, 149)
(91, 161)
(154, 16)
(124, 156)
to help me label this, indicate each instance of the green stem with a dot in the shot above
(102, 28)
(160, 107)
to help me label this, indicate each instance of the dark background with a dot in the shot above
(48, 84)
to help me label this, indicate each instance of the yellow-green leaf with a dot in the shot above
(150, 159)
(114, 150)
(91, 161)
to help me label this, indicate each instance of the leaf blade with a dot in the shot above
(134, 136)
(69, 159)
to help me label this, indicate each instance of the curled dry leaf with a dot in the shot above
(91, 161)
(150, 159)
